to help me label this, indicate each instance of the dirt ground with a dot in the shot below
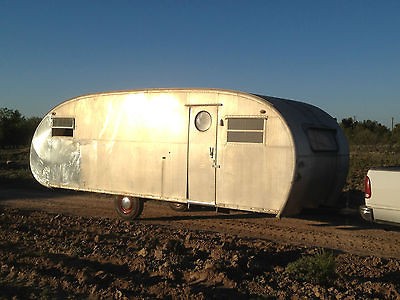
(67, 245)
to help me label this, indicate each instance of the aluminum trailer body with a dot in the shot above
(214, 147)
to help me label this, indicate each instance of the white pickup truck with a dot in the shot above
(382, 196)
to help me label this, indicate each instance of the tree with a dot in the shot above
(396, 134)
(366, 132)
(348, 123)
(15, 129)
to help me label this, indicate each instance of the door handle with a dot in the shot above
(212, 152)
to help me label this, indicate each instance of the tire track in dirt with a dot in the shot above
(347, 239)
(347, 233)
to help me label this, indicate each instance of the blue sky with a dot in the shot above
(342, 56)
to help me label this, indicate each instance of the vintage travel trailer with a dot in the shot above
(221, 148)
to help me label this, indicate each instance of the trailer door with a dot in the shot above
(202, 154)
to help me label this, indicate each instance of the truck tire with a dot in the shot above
(128, 207)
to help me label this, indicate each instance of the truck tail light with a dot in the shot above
(367, 187)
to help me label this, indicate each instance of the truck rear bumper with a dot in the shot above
(366, 213)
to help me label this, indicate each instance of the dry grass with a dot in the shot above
(14, 168)
(363, 157)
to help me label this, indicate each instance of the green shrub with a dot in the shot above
(318, 269)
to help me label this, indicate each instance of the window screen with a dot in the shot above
(63, 127)
(245, 130)
(63, 122)
(322, 139)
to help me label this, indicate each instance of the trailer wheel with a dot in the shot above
(178, 206)
(128, 207)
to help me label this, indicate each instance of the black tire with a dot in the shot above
(128, 207)
(178, 206)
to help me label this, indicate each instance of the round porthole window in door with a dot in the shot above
(203, 121)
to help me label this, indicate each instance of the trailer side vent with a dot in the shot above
(322, 140)
(245, 130)
(63, 127)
